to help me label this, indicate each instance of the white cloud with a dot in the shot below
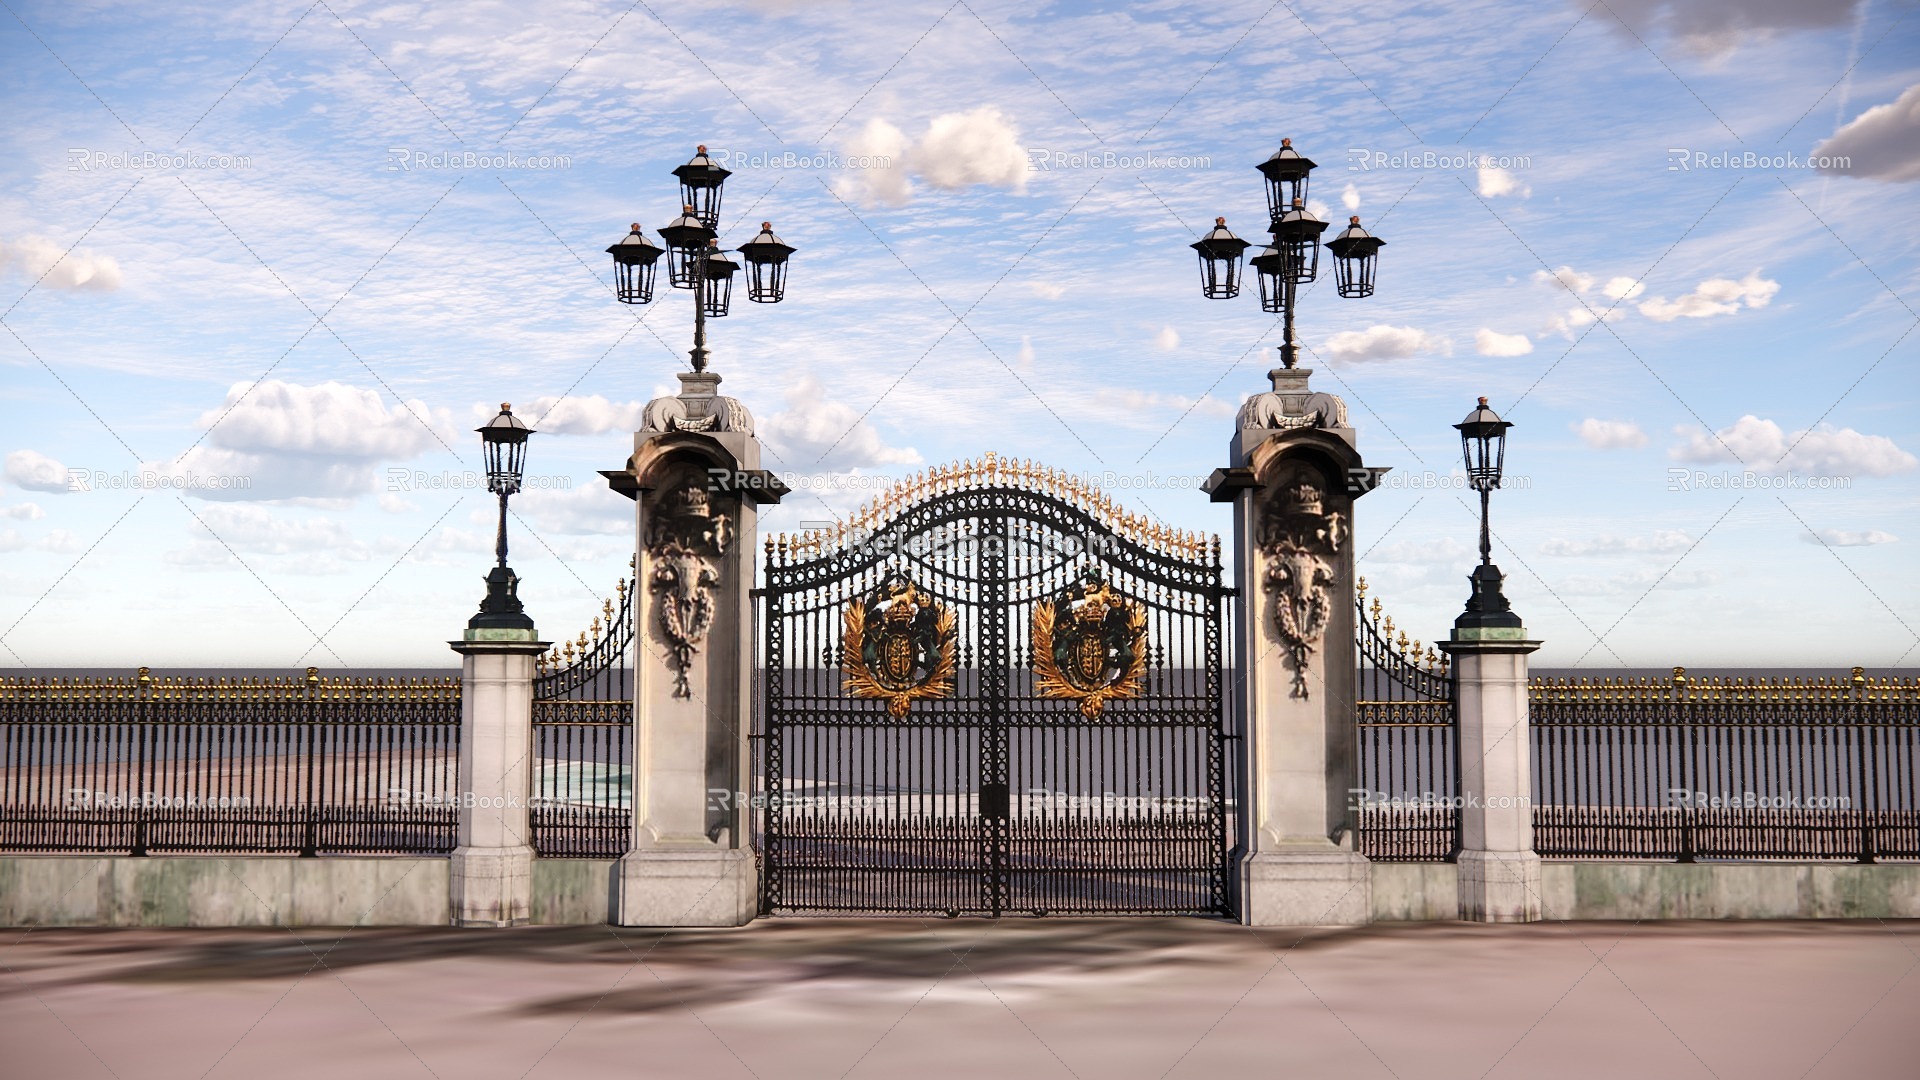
(1882, 143)
(957, 151)
(1572, 279)
(259, 530)
(593, 415)
(1167, 340)
(279, 440)
(1713, 28)
(1610, 434)
(1495, 182)
(1846, 538)
(24, 512)
(59, 541)
(1139, 401)
(594, 509)
(394, 504)
(1821, 451)
(1661, 542)
(1047, 289)
(814, 433)
(1350, 197)
(78, 269)
(1622, 288)
(35, 471)
(1023, 361)
(1714, 296)
(1493, 343)
(1382, 342)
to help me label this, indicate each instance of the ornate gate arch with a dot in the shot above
(994, 692)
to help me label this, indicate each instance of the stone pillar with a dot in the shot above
(492, 871)
(1499, 871)
(696, 482)
(1296, 471)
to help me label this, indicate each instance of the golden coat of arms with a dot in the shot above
(1090, 645)
(898, 645)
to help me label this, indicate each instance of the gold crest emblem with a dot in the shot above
(898, 645)
(1090, 645)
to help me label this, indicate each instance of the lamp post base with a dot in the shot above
(501, 610)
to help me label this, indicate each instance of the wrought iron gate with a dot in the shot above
(994, 693)
(1405, 718)
(583, 739)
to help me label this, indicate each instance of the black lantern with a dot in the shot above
(700, 187)
(1220, 252)
(687, 237)
(1286, 172)
(1297, 235)
(718, 286)
(766, 266)
(634, 257)
(1270, 268)
(1483, 444)
(504, 439)
(1354, 252)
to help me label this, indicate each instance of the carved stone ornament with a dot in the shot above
(1090, 645)
(1290, 405)
(898, 644)
(686, 537)
(1300, 540)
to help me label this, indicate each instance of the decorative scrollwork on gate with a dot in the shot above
(899, 645)
(1090, 645)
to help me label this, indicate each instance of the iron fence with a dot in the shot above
(1408, 767)
(1726, 768)
(583, 739)
(306, 765)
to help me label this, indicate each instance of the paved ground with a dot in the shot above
(1012, 999)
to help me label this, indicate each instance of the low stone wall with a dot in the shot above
(1620, 889)
(260, 890)
(268, 890)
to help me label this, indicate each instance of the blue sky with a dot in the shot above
(307, 286)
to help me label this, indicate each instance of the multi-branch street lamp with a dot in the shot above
(504, 440)
(695, 259)
(1292, 258)
(1483, 448)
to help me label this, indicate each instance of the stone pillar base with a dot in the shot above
(716, 887)
(491, 886)
(1318, 886)
(1499, 886)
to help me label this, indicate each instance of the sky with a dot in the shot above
(264, 267)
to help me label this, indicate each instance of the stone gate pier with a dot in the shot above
(1295, 470)
(696, 483)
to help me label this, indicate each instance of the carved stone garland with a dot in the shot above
(1299, 541)
(686, 537)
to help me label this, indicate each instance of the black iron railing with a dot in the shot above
(1727, 768)
(1404, 810)
(307, 765)
(583, 739)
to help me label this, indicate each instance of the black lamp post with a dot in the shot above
(1483, 447)
(504, 439)
(694, 258)
(1293, 258)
